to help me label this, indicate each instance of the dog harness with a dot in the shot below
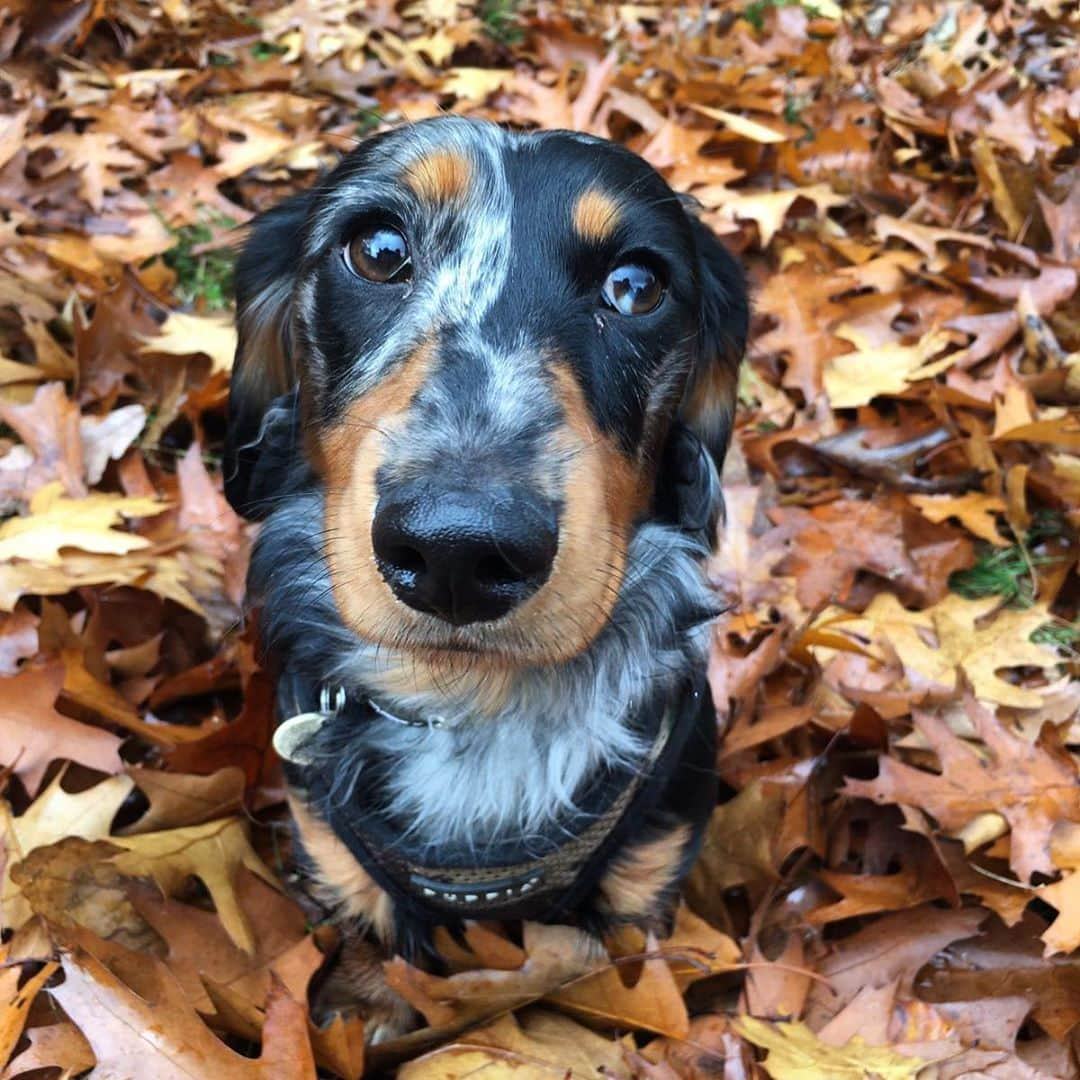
(543, 875)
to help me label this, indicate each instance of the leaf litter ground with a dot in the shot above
(891, 884)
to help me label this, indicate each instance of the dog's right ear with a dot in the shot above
(264, 375)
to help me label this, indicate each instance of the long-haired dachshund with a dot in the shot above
(484, 386)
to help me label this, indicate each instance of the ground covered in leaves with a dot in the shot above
(891, 886)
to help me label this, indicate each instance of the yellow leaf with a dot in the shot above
(164, 575)
(1063, 936)
(53, 815)
(796, 1053)
(474, 84)
(212, 852)
(1013, 410)
(856, 378)
(741, 125)
(534, 1043)
(974, 509)
(967, 643)
(769, 208)
(188, 335)
(56, 522)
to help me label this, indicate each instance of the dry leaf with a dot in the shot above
(54, 815)
(213, 852)
(33, 733)
(56, 522)
(1031, 786)
(796, 1053)
(152, 1030)
(188, 335)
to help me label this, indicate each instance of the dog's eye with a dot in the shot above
(633, 289)
(379, 253)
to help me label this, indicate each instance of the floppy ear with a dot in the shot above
(708, 404)
(263, 411)
(688, 494)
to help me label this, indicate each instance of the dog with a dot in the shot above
(483, 389)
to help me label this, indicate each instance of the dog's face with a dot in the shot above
(493, 335)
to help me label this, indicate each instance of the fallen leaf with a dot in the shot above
(214, 852)
(16, 998)
(58, 1045)
(1032, 786)
(107, 438)
(744, 127)
(796, 1053)
(536, 1043)
(973, 637)
(52, 816)
(154, 1031)
(49, 428)
(33, 734)
(1063, 936)
(974, 510)
(768, 209)
(856, 378)
(891, 949)
(177, 799)
(56, 522)
(188, 335)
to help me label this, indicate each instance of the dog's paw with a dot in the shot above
(356, 986)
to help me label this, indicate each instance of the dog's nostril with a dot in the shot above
(495, 570)
(406, 559)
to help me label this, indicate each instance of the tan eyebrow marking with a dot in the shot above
(441, 176)
(596, 215)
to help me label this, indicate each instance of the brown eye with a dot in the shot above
(633, 289)
(379, 253)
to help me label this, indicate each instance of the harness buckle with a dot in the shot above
(325, 706)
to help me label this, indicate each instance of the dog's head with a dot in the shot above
(509, 350)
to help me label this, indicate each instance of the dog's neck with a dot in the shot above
(515, 746)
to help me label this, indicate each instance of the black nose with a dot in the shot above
(465, 556)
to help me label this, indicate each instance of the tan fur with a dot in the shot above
(343, 882)
(357, 984)
(633, 885)
(710, 399)
(351, 454)
(442, 176)
(485, 681)
(595, 216)
(625, 488)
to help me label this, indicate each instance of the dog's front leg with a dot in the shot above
(354, 984)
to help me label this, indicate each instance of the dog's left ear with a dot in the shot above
(708, 405)
(263, 419)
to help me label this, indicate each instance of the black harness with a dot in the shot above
(545, 876)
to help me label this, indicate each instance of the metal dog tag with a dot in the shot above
(292, 735)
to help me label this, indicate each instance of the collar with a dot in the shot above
(514, 877)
